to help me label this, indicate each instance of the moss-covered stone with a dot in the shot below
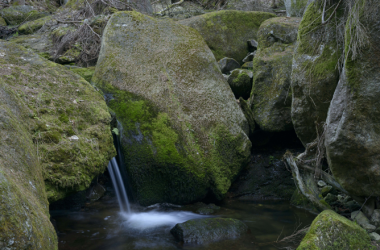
(143, 6)
(183, 132)
(24, 209)
(330, 231)
(15, 15)
(2, 22)
(86, 73)
(272, 66)
(60, 104)
(33, 26)
(227, 32)
(240, 82)
(315, 71)
(353, 125)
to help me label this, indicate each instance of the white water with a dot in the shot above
(143, 220)
(118, 185)
(154, 219)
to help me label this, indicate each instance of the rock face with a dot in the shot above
(296, 8)
(24, 208)
(332, 231)
(202, 231)
(184, 134)
(353, 128)
(272, 68)
(15, 15)
(60, 105)
(227, 32)
(315, 73)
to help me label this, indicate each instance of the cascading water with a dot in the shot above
(119, 187)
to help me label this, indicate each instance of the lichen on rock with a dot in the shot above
(183, 133)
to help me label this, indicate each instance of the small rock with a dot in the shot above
(207, 230)
(249, 57)
(341, 198)
(369, 227)
(325, 190)
(374, 236)
(74, 138)
(352, 205)
(205, 211)
(247, 65)
(375, 218)
(225, 76)
(240, 82)
(330, 198)
(226, 65)
(96, 192)
(347, 198)
(252, 44)
(360, 218)
(321, 183)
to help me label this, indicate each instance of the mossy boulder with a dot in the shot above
(353, 127)
(227, 32)
(296, 8)
(315, 71)
(202, 231)
(272, 68)
(332, 231)
(251, 5)
(15, 15)
(183, 134)
(86, 73)
(33, 26)
(2, 22)
(24, 207)
(240, 82)
(60, 104)
(143, 6)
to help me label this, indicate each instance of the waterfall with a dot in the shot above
(118, 185)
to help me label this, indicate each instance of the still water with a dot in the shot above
(101, 226)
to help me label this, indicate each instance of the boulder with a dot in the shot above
(24, 207)
(252, 5)
(201, 231)
(332, 231)
(184, 135)
(360, 218)
(15, 15)
(49, 91)
(143, 6)
(240, 82)
(375, 218)
(296, 8)
(226, 65)
(247, 65)
(272, 68)
(33, 26)
(249, 57)
(2, 22)
(315, 72)
(226, 32)
(353, 128)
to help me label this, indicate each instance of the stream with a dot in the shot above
(101, 225)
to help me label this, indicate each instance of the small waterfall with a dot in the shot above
(118, 185)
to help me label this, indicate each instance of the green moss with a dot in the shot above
(2, 22)
(331, 231)
(86, 73)
(33, 26)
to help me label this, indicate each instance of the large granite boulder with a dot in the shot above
(15, 15)
(272, 68)
(353, 128)
(67, 119)
(315, 72)
(201, 231)
(227, 32)
(183, 134)
(332, 231)
(296, 8)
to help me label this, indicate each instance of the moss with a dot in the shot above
(33, 26)
(86, 73)
(331, 231)
(15, 15)
(2, 22)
